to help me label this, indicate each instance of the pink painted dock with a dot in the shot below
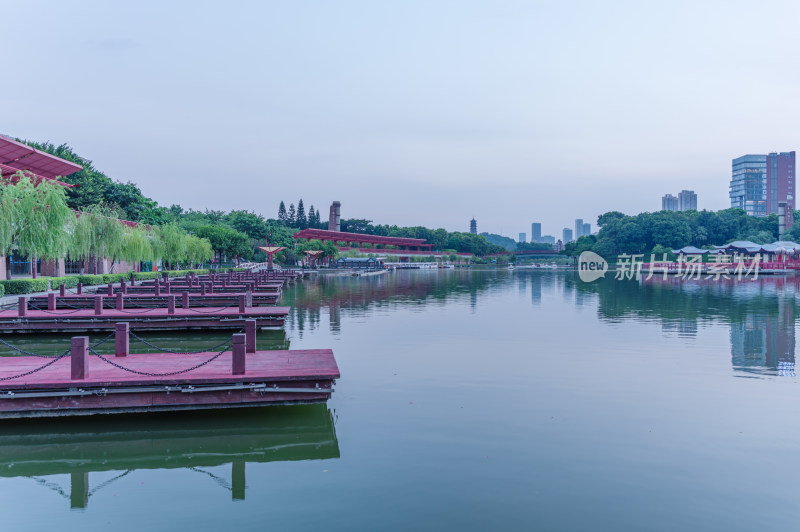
(232, 379)
(142, 319)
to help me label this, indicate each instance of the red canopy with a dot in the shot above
(20, 156)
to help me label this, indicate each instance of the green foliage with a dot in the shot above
(646, 232)
(33, 219)
(97, 188)
(96, 233)
(70, 281)
(509, 244)
(145, 276)
(25, 286)
(90, 280)
(114, 277)
(226, 241)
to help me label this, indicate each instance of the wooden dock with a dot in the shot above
(144, 300)
(23, 320)
(80, 383)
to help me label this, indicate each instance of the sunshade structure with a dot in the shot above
(781, 247)
(16, 156)
(313, 254)
(271, 251)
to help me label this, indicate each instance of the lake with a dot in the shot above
(469, 400)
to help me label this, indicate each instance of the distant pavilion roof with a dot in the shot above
(15, 156)
(340, 236)
(691, 250)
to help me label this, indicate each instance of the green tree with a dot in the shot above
(300, 218)
(282, 216)
(34, 219)
(97, 233)
(291, 217)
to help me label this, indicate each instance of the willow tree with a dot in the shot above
(136, 245)
(34, 219)
(198, 250)
(170, 244)
(96, 233)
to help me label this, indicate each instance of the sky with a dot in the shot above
(409, 112)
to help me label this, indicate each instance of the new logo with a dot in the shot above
(591, 266)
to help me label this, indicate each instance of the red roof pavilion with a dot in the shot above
(358, 238)
(16, 156)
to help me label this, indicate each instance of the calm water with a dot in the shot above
(469, 400)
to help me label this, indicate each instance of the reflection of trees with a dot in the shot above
(195, 441)
(761, 313)
(357, 296)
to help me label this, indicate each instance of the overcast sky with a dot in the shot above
(409, 112)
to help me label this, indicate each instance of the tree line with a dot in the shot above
(36, 221)
(661, 231)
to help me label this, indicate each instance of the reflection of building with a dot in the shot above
(681, 328)
(765, 340)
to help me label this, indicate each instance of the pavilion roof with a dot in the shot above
(20, 156)
(321, 234)
(691, 250)
(10, 173)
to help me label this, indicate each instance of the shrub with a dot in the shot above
(68, 282)
(25, 286)
(2, 290)
(145, 276)
(114, 277)
(89, 280)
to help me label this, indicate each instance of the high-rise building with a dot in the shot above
(687, 200)
(473, 226)
(748, 189)
(548, 239)
(669, 202)
(578, 228)
(566, 235)
(521, 237)
(780, 180)
(536, 232)
(587, 229)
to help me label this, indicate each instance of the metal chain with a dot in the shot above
(40, 368)
(149, 374)
(104, 340)
(165, 350)
(18, 350)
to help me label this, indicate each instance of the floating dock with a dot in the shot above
(144, 300)
(80, 383)
(23, 320)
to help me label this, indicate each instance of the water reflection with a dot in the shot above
(761, 313)
(43, 450)
(340, 295)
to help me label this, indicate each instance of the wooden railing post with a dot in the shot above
(110, 290)
(122, 339)
(51, 301)
(248, 299)
(171, 304)
(241, 304)
(250, 336)
(98, 305)
(120, 301)
(238, 362)
(79, 287)
(22, 306)
(158, 288)
(62, 290)
(185, 299)
(203, 289)
(79, 357)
